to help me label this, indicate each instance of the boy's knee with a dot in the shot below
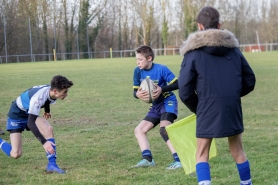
(48, 132)
(50, 129)
(15, 155)
(138, 130)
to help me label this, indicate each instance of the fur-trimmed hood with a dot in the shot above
(210, 37)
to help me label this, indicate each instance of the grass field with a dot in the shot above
(94, 126)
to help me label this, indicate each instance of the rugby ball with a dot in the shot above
(148, 85)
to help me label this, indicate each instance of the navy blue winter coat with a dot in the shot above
(214, 75)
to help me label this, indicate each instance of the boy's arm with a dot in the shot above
(34, 110)
(47, 106)
(171, 87)
(46, 113)
(33, 127)
(134, 93)
(136, 81)
(143, 95)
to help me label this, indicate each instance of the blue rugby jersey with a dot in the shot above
(30, 102)
(159, 74)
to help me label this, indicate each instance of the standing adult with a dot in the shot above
(214, 75)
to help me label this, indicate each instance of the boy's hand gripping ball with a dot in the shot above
(148, 85)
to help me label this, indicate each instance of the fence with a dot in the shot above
(117, 54)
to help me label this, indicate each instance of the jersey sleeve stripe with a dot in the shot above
(19, 103)
(173, 80)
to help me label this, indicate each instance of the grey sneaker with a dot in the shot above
(144, 163)
(174, 165)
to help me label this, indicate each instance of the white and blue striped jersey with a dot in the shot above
(30, 102)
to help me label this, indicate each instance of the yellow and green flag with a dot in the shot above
(182, 135)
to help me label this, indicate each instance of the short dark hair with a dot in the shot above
(60, 82)
(208, 17)
(146, 51)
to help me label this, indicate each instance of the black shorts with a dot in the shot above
(164, 116)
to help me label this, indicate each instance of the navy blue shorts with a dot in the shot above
(161, 111)
(18, 125)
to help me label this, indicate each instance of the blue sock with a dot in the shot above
(51, 157)
(176, 157)
(244, 173)
(6, 147)
(203, 173)
(147, 154)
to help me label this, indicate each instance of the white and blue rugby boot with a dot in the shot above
(174, 165)
(144, 163)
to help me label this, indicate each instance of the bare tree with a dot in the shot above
(123, 24)
(45, 16)
(187, 15)
(273, 22)
(267, 31)
(68, 25)
(145, 12)
(165, 28)
(126, 28)
(89, 10)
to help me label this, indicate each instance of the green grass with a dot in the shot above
(94, 126)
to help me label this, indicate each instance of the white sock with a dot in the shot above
(206, 182)
(247, 182)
